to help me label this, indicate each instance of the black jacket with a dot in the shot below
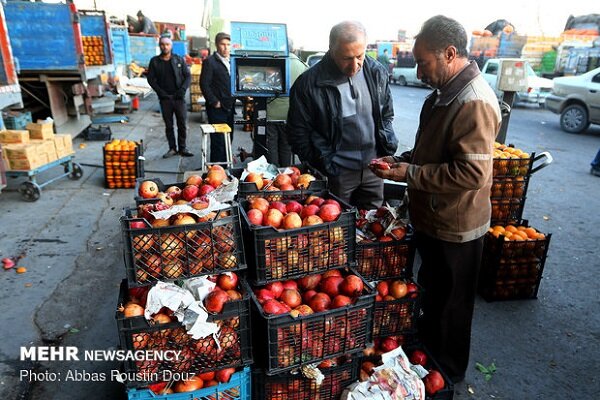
(215, 83)
(314, 120)
(182, 76)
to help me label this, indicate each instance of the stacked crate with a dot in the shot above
(514, 253)
(16, 120)
(123, 163)
(289, 341)
(93, 50)
(195, 91)
(166, 251)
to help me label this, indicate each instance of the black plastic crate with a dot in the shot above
(248, 190)
(386, 259)
(512, 270)
(507, 210)
(511, 167)
(198, 355)
(294, 386)
(97, 133)
(123, 167)
(204, 248)
(162, 187)
(283, 342)
(447, 393)
(510, 188)
(275, 254)
(399, 316)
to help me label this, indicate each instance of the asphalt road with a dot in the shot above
(70, 242)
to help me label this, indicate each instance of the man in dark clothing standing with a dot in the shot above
(340, 116)
(216, 87)
(145, 24)
(170, 77)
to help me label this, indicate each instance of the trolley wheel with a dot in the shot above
(30, 191)
(76, 173)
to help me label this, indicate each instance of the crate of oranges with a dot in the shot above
(93, 50)
(123, 163)
(513, 262)
(512, 170)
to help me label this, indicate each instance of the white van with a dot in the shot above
(405, 72)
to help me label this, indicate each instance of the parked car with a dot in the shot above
(577, 100)
(537, 88)
(314, 58)
(406, 76)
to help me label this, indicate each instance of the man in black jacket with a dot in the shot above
(170, 77)
(340, 116)
(216, 88)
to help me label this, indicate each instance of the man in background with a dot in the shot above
(145, 24)
(340, 116)
(215, 83)
(170, 78)
(280, 151)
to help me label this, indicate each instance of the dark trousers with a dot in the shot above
(217, 140)
(448, 275)
(168, 107)
(362, 189)
(280, 151)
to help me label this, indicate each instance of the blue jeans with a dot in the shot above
(596, 162)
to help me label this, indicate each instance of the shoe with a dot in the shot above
(170, 153)
(595, 171)
(185, 153)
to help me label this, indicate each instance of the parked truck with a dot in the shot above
(10, 91)
(60, 51)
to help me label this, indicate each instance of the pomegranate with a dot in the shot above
(312, 220)
(388, 344)
(291, 221)
(273, 306)
(309, 282)
(351, 286)
(165, 198)
(331, 272)
(341, 301)
(291, 297)
(304, 181)
(329, 212)
(132, 310)
(276, 288)
(205, 189)
(189, 192)
(293, 206)
(398, 289)
(195, 180)
(215, 301)
(255, 178)
(255, 216)
(290, 284)
(434, 382)
(318, 201)
(215, 176)
(308, 210)
(148, 190)
(281, 180)
(319, 302)
(331, 285)
(188, 385)
(224, 375)
(264, 294)
(418, 357)
(227, 281)
(273, 218)
(383, 288)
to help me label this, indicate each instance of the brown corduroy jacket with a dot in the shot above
(450, 172)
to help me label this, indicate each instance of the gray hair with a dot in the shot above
(439, 32)
(346, 32)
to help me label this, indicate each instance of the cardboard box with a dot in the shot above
(11, 137)
(41, 130)
(20, 151)
(63, 145)
(46, 147)
(28, 164)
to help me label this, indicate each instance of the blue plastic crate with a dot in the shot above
(16, 120)
(238, 388)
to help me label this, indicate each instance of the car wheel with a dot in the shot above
(574, 119)
(402, 81)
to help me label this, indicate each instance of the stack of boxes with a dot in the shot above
(195, 91)
(29, 149)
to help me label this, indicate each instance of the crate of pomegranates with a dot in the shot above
(338, 373)
(310, 319)
(289, 239)
(438, 385)
(173, 349)
(183, 244)
(385, 247)
(397, 307)
(194, 189)
(222, 384)
(295, 180)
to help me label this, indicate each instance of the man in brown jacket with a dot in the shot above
(449, 176)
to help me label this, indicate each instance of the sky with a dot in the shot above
(309, 21)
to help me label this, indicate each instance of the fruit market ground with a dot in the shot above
(70, 243)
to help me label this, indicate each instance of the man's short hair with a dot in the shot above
(140, 13)
(346, 32)
(439, 32)
(220, 36)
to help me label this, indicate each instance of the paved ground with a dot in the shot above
(69, 241)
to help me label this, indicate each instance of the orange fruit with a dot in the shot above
(531, 233)
(510, 228)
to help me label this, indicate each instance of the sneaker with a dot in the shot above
(170, 153)
(595, 171)
(185, 153)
